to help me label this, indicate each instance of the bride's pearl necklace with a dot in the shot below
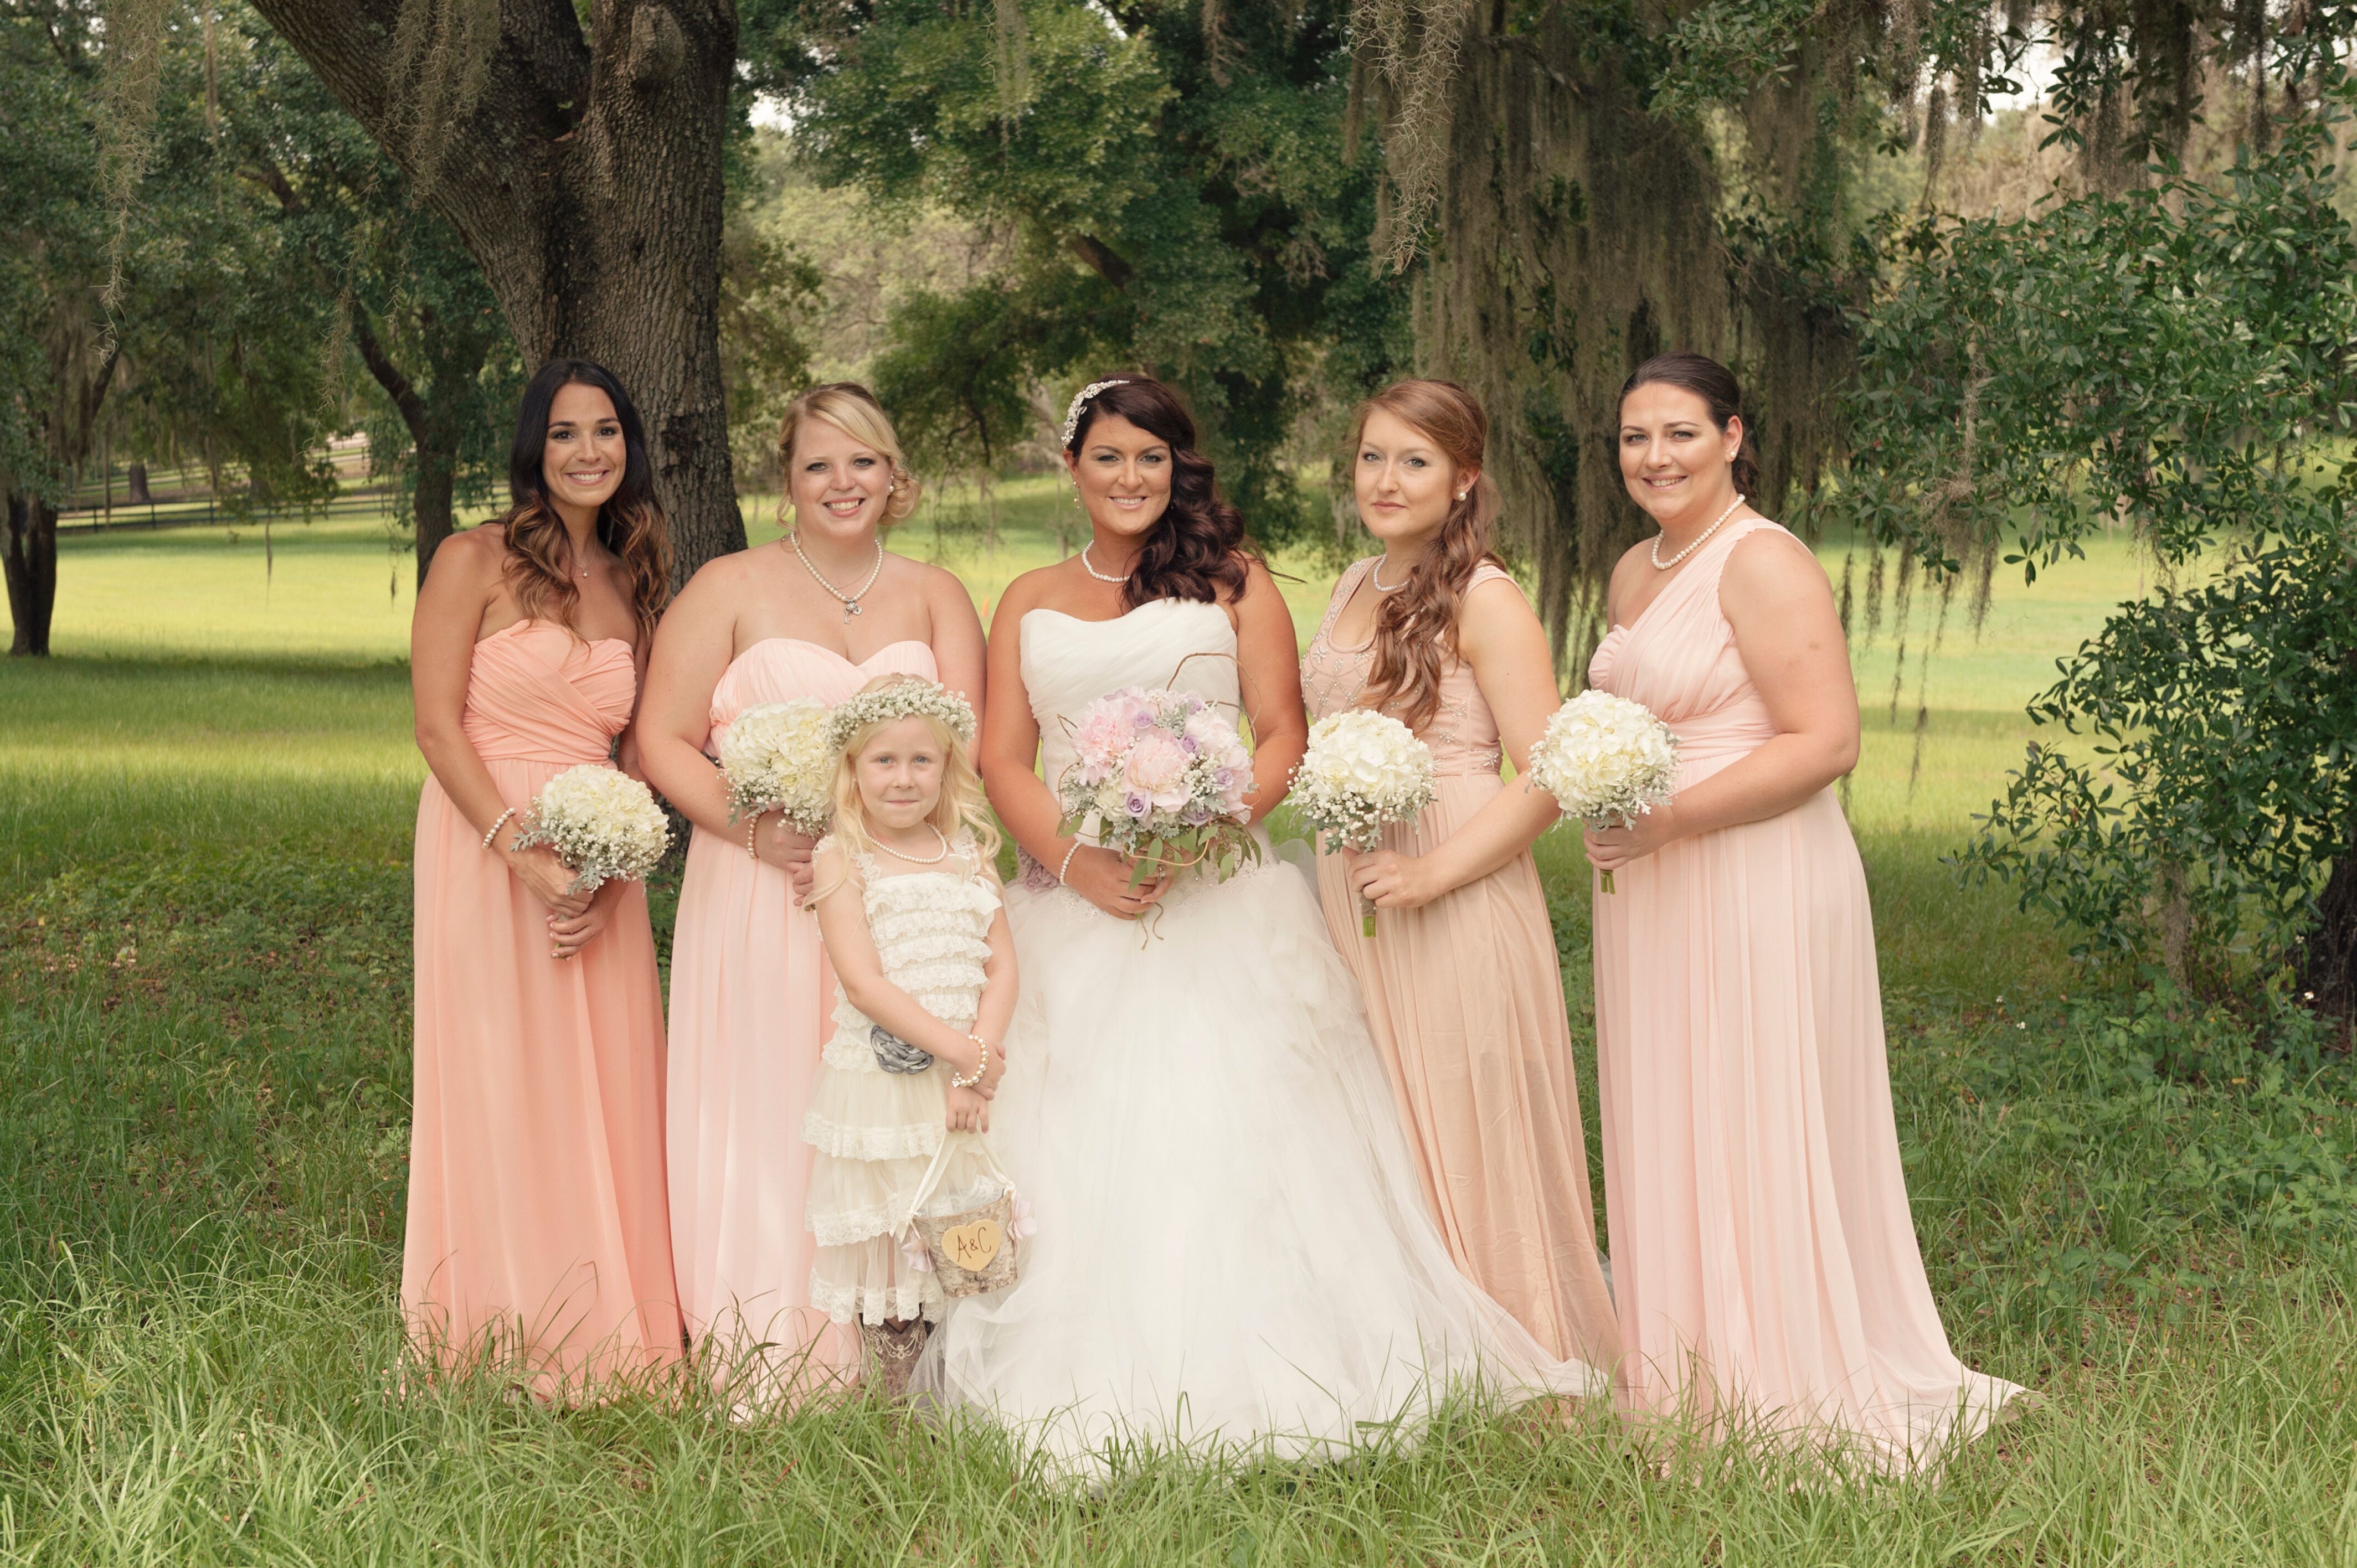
(1090, 567)
(1661, 566)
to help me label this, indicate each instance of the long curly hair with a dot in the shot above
(1717, 386)
(1416, 627)
(631, 523)
(1197, 548)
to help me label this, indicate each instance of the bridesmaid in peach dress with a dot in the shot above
(1463, 992)
(538, 1236)
(1763, 1251)
(817, 614)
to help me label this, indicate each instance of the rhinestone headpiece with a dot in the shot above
(902, 699)
(1072, 414)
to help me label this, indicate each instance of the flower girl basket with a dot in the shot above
(973, 1252)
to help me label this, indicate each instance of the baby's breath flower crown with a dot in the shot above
(902, 699)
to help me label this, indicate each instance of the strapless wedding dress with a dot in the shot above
(1233, 1249)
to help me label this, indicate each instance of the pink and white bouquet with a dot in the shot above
(604, 824)
(1363, 771)
(1160, 775)
(1606, 760)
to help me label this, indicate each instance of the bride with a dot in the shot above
(1232, 1248)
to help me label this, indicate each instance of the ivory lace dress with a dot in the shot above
(875, 1131)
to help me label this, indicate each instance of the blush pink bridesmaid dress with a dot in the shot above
(1763, 1254)
(1464, 997)
(751, 1000)
(537, 1232)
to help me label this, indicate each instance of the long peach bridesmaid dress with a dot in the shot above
(1763, 1253)
(751, 998)
(1465, 1000)
(537, 1228)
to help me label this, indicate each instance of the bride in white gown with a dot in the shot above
(1232, 1246)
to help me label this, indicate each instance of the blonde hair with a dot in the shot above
(960, 807)
(851, 408)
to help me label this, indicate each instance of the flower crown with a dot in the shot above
(1072, 414)
(904, 698)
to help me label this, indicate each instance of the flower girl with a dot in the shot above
(908, 905)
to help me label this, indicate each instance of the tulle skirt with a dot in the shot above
(1232, 1243)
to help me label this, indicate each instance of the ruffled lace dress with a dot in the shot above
(876, 1133)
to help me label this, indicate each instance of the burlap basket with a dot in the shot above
(973, 1252)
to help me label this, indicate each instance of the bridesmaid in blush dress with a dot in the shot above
(819, 613)
(538, 1242)
(1463, 990)
(1764, 1252)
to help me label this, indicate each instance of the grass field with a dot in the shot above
(205, 804)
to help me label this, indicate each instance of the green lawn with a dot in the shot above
(205, 804)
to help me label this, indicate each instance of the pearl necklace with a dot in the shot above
(850, 600)
(919, 859)
(1086, 565)
(1661, 566)
(1375, 575)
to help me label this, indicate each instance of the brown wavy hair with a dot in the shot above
(631, 523)
(1197, 548)
(1717, 386)
(1416, 627)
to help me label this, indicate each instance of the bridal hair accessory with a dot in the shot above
(972, 1253)
(1606, 760)
(1072, 414)
(904, 698)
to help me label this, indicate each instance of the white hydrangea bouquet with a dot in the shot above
(603, 823)
(1606, 760)
(1362, 771)
(1163, 776)
(777, 758)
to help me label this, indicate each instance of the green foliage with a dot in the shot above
(2164, 360)
(1173, 180)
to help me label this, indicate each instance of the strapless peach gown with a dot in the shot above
(751, 1000)
(1465, 999)
(537, 1228)
(1763, 1254)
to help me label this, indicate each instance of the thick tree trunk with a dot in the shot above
(431, 506)
(2327, 959)
(584, 176)
(30, 557)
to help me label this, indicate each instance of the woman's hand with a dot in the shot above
(1390, 880)
(1102, 877)
(1610, 849)
(778, 843)
(969, 1112)
(546, 878)
(568, 934)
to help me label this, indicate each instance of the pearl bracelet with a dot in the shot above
(980, 1068)
(493, 830)
(1068, 860)
(752, 832)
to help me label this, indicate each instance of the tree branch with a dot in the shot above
(1102, 259)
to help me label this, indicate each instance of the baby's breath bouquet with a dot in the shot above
(604, 824)
(1606, 760)
(1364, 769)
(776, 759)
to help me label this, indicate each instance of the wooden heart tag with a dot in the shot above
(971, 1247)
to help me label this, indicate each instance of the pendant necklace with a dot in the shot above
(1661, 566)
(1090, 567)
(850, 600)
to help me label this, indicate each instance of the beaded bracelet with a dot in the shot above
(1068, 860)
(500, 821)
(752, 832)
(980, 1068)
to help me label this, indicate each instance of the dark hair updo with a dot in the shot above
(1196, 548)
(1717, 386)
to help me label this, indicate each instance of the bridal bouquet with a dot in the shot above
(1606, 760)
(1159, 775)
(776, 758)
(603, 823)
(1364, 769)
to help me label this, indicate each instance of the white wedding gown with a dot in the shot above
(1233, 1247)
